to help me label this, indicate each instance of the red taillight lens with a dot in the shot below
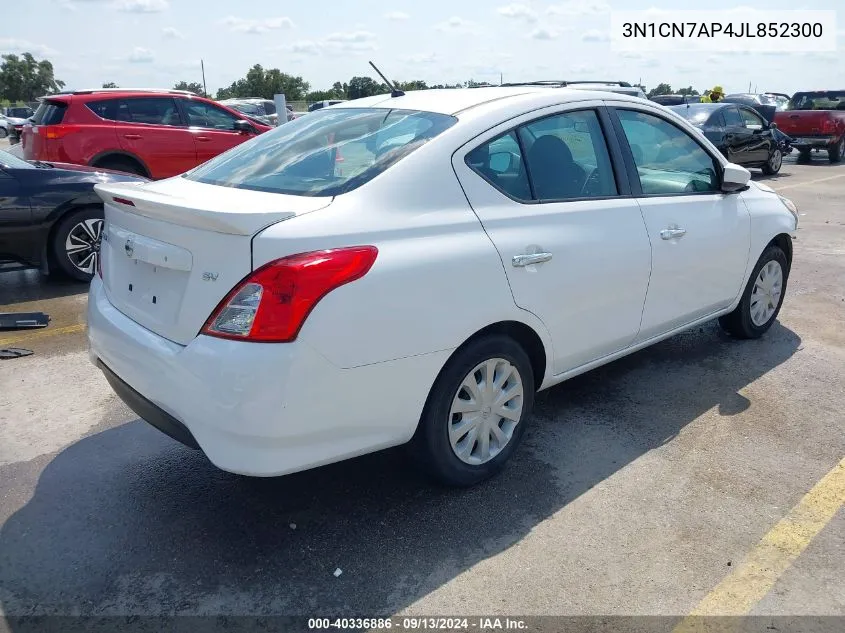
(828, 126)
(272, 303)
(59, 131)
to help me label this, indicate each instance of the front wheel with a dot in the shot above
(476, 413)
(762, 298)
(835, 153)
(774, 163)
(76, 243)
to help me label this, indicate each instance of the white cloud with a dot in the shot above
(544, 34)
(143, 6)
(257, 27)
(12, 45)
(456, 24)
(594, 35)
(170, 33)
(420, 58)
(335, 44)
(397, 16)
(518, 11)
(579, 7)
(140, 55)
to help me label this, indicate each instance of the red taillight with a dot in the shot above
(272, 303)
(59, 131)
(828, 126)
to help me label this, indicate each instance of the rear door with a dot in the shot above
(212, 128)
(571, 239)
(152, 129)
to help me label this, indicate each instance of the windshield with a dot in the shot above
(821, 100)
(694, 113)
(19, 113)
(10, 160)
(326, 153)
(246, 108)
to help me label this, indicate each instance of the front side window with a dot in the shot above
(303, 156)
(668, 160)
(500, 162)
(732, 117)
(752, 120)
(201, 114)
(149, 110)
(566, 156)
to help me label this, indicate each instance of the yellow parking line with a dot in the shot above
(771, 557)
(38, 334)
(809, 182)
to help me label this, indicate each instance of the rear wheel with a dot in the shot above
(76, 243)
(476, 413)
(3, 132)
(774, 163)
(762, 298)
(835, 153)
(122, 163)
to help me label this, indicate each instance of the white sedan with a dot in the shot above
(412, 269)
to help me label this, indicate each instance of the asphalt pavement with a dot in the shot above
(641, 489)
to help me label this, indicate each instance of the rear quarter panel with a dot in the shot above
(437, 280)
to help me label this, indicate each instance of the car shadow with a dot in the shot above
(126, 521)
(19, 285)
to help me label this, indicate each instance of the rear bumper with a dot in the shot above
(802, 142)
(258, 409)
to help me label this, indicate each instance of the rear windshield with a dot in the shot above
(50, 113)
(821, 100)
(324, 154)
(19, 113)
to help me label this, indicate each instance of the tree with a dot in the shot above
(265, 84)
(25, 79)
(110, 84)
(364, 87)
(692, 92)
(662, 89)
(417, 84)
(194, 87)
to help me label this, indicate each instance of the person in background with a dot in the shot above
(713, 96)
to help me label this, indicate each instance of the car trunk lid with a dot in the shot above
(172, 249)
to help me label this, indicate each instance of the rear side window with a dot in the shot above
(732, 117)
(324, 154)
(500, 163)
(149, 110)
(105, 109)
(50, 113)
(752, 120)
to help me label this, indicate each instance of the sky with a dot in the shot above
(155, 43)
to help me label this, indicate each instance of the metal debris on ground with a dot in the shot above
(338, 572)
(23, 320)
(14, 352)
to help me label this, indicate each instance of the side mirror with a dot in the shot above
(243, 126)
(735, 178)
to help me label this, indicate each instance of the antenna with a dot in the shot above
(394, 91)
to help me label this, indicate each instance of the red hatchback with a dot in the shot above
(153, 133)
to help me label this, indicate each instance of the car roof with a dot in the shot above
(456, 100)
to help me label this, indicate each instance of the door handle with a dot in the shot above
(534, 258)
(132, 137)
(202, 138)
(668, 234)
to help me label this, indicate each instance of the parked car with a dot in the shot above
(18, 112)
(16, 118)
(779, 98)
(324, 104)
(489, 243)
(4, 126)
(151, 133)
(815, 120)
(262, 110)
(50, 216)
(742, 135)
(670, 100)
(766, 107)
(619, 87)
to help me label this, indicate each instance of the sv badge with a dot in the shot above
(210, 276)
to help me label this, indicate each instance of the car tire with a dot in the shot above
(835, 153)
(774, 163)
(804, 155)
(444, 445)
(75, 245)
(119, 163)
(763, 297)
(3, 132)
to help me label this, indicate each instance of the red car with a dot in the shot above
(152, 133)
(815, 120)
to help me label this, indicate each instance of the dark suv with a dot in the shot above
(152, 133)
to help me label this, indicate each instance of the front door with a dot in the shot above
(575, 251)
(212, 128)
(700, 236)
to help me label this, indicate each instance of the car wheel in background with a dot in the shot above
(76, 243)
(3, 132)
(804, 155)
(835, 153)
(774, 163)
(120, 163)
(762, 298)
(476, 413)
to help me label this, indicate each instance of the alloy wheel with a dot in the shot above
(775, 160)
(765, 297)
(83, 244)
(485, 411)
